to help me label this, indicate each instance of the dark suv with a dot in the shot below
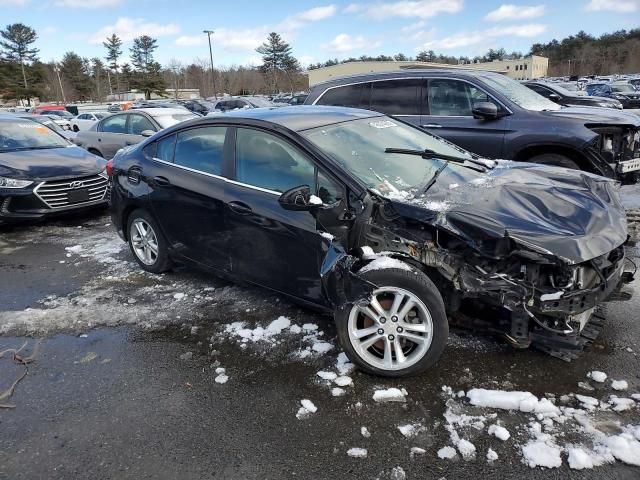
(496, 117)
(625, 93)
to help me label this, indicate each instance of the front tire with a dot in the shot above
(400, 330)
(146, 242)
(76, 129)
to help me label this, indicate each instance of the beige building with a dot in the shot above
(522, 69)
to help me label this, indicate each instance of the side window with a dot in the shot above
(165, 148)
(329, 191)
(265, 161)
(356, 96)
(200, 149)
(82, 117)
(545, 92)
(114, 124)
(448, 97)
(396, 97)
(139, 123)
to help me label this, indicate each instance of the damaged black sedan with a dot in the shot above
(386, 226)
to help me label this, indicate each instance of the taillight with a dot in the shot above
(109, 168)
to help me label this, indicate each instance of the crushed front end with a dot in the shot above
(619, 147)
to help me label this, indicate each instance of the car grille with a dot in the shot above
(74, 191)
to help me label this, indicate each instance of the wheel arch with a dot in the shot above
(526, 153)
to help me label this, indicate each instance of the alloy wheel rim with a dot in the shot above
(144, 241)
(392, 330)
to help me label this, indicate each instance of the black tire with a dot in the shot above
(162, 261)
(95, 152)
(76, 129)
(417, 283)
(556, 160)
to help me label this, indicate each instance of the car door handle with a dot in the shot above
(431, 125)
(161, 181)
(240, 208)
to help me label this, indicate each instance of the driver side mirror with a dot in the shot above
(554, 97)
(299, 199)
(484, 111)
(147, 133)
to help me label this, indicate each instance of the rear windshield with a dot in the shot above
(28, 135)
(622, 88)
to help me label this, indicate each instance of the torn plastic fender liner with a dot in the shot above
(340, 283)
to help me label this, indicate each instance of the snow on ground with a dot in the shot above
(499, 432)
(538, 453)
(597, 376)
(447, 453)
(411, 429)
(357, 452)
(619, 384)
(306, 409)
(492, 456)
(390, 395)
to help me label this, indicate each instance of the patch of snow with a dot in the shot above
(523, 401)
(367, 252)
(384, 262)
(389, 395)
(597, 376)
(588, 402)
(314, 200)
(356, 452)
(74, 249)
(579, 459)
(322, 347)
(537, 453)
(308, 405)
(625, 448)
(343, 381)
(343, 364)
(278, 325)
(621, 404)
(411, 429)
(619, 384)
(222, 378)
(447, 453)
(491, 456)
(364, 431)
(220, 370)
(338, 392)
(499, 432)
(309, 327)
(415, 451)
(466, 449)
(327, 375)
(327, 236)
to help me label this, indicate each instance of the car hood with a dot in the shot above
(596, 115)
(50, 164)
(572, 215)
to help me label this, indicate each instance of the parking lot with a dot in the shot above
(126, 381)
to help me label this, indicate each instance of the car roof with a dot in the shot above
(159, 111)
(299, 118)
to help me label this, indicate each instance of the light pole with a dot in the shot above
(213, 76)
(56, 68)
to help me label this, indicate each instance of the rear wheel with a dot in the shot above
(147, 243)
(95, 152)
(556, 160)
(75, 128)
(400, 330)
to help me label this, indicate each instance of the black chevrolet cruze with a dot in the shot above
(42, 173)
(380, 223)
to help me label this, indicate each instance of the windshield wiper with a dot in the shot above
(430, 154)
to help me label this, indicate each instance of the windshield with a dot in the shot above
(28, 135)
(259, 102)
(359, 146)
(622, 88)
(50, 123)
(571, 87)
(100, 115)
(170, 119)
(519, 94)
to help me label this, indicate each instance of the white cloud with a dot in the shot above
(622, 6)
(129, 28)
(247, 40)
(413, 26)
(49, 30)
(406, 8)
(466, 39)
(88, 3)
(515, 12)
(307, 60)
(13, 3)
(345, 43)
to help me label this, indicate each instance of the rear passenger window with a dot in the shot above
(115, 124)
(265, 161)
(165, 148)
(200, 149)
(356, 96)
(396, 97)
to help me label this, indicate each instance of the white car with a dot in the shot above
(86, 119)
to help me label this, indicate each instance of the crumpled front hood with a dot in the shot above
(573, 215)
(51, 163)
(596, 115)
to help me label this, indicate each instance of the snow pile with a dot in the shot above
(415, 451)
(364, 431)
(338, 392)
(411, 429)
(75, 249)
(621, 404)
(619, 385)
(356, 452)
(327, 375)
(579, 459)
(258, 334)
(499, 432)
(306, 409)
(538, 453)
(343, 381)
(390, 395)
(343, 364)
(222, 375)
(447, 453)
(491, 456)
(383, 262)
(597, 376)
(625, 448)
(522, 401)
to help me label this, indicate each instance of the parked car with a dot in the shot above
(496, 117)
(62, 122)
(114, 107)
(196, 105)
(40, 108)
(381, 223)
(58, 113)
(556, 93)
(236, 103)
(120, 130)
(51, 123)
(86, 119)
(635, 82)
(298, 99)
(42, 173)
(625, 93)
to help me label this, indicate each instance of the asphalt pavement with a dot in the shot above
(123, 379)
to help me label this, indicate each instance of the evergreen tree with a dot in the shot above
(148, 72)
(113, 44)
(75, 72)
(276, 55)
(16, 48)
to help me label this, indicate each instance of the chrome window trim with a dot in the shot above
(418, 78)
(218, 177)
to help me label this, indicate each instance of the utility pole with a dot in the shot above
(213, 76)
(56, 68)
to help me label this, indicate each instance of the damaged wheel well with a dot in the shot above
(528, 153)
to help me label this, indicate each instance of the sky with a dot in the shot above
(316, 30)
